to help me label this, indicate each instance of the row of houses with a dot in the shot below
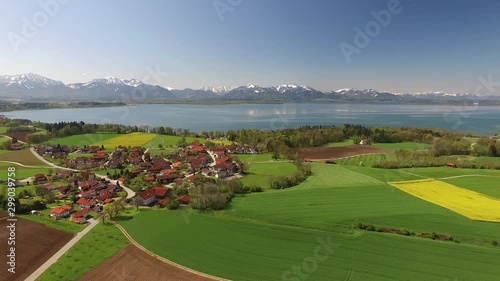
(160, 195)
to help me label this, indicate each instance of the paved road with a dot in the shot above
(48, 162)
(130, 192)
(61, 252)
(22, 165)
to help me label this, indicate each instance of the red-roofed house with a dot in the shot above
(85, 203)
(80, 217)
(183, 199)
(60, 211)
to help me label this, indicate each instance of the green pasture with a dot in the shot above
(262, 173)
(98, 245)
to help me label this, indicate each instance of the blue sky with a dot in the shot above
(429, 45)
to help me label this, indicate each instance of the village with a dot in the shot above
(92, 177)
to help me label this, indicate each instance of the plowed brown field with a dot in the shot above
(35, 243)
(132, 264)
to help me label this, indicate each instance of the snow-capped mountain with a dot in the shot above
(111, 88)
(28, 81)
(292, 87)
(218, 90)
(34, 87)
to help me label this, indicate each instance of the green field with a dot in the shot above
(269, 251)
(99, 244)
(84, 139)
(488, 159)
(272, 231)
(250, 158)
(24, 156)
(170, 141)
(261, 173)
(63, 224)
(401, 145)
(366, 160)
(3, 130)
(486, 185)
(2, 141)
(21, 172)
(340, 144)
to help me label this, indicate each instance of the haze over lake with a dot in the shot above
(479, 119)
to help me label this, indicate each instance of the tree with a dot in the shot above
(492, 151)
(276, 156)
(137, 201)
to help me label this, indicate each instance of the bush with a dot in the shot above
(370, 227)
(255, 188)
(173, 205)
(405, 232)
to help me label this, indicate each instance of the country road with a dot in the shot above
(24, 166)
(61, 252)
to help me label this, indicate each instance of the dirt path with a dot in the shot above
(196, 274)
(61, 252)
(24, 166)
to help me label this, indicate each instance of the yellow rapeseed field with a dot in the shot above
(132, 139)
(468, 203)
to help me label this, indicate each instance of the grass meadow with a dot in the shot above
(259, 229)
(99, 244)
(401, 145)
(262, 173)
(84, 139)
(366, 160)
(23, 156)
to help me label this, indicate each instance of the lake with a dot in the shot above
(478, 119)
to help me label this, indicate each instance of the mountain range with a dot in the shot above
(33, 87)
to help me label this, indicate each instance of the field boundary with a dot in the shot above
(135, 243)
(467, 176)
(348, 157)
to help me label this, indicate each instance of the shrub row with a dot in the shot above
(405, 232)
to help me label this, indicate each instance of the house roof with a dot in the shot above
(147, 194)
(83, 201)
(81, 213)
(184, 199)
(78, 219)
(61, 209)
